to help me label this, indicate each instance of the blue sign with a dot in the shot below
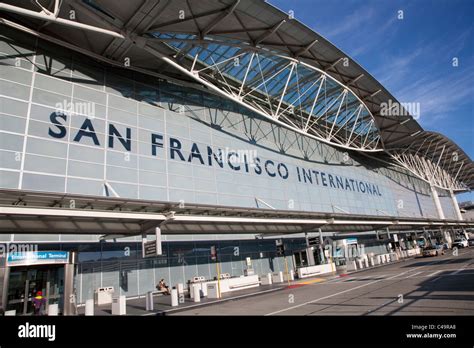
(351, 241)
(37, 257)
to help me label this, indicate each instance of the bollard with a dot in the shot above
(90, 307)
(278, 277)
(196, 293)
(212, 290)
(53, 309)
(292, 275)
(174, 297)
(119, 305)
(372, 262)
(180, 288)
(149, 301)
(366, 261)
(266, 279)
(203, 289)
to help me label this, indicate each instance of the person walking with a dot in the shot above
(39, 302)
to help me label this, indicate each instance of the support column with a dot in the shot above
(309, 252)
(447, 237)
(4, 278)
(321, 248)
(456, 205)
(69, 293)
(437, 202)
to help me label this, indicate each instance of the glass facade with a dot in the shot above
(71, 125)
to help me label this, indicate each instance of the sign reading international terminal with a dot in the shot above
(37, 258)
(207, 156)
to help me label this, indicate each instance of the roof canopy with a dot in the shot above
(256, 55)
(52, 213)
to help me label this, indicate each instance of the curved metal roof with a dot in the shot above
(192, 41)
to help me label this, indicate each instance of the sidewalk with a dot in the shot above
(162, 304)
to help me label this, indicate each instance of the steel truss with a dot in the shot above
(432, 158)
(280, 88)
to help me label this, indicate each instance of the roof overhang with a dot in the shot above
(50, 213)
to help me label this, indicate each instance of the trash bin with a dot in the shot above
(104, 295)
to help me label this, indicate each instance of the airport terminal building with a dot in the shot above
(223, 125)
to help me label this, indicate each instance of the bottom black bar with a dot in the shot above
(242, 330)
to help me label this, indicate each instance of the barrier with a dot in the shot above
(304, 272)
(212, 290)
(196, 293)
(202, 289)
(372, 261)
(239, 283)
(119, 305)
(360, 264)
(53, 309)
(351, 266)
(174, 297)
(290, 276)
(366, 263)
(180, 288)
(266, 279)
(277, 277)
(89, 307)
(249, 272)
(149, 301)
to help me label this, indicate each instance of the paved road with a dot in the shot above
(442, 285)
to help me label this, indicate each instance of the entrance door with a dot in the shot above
(301, 259)
(26, 281)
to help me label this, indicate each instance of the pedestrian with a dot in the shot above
(39, 303)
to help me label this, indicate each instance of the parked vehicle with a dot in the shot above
(460, 243)
(433, 251)
(470, 242)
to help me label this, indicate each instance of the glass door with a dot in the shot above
(301, 259)
(26, 282)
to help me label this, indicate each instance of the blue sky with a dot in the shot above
(411, 57)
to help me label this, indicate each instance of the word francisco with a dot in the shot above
(244, 161)
(37, 331)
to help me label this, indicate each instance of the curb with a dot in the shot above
(286, 287)
(205, 304)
